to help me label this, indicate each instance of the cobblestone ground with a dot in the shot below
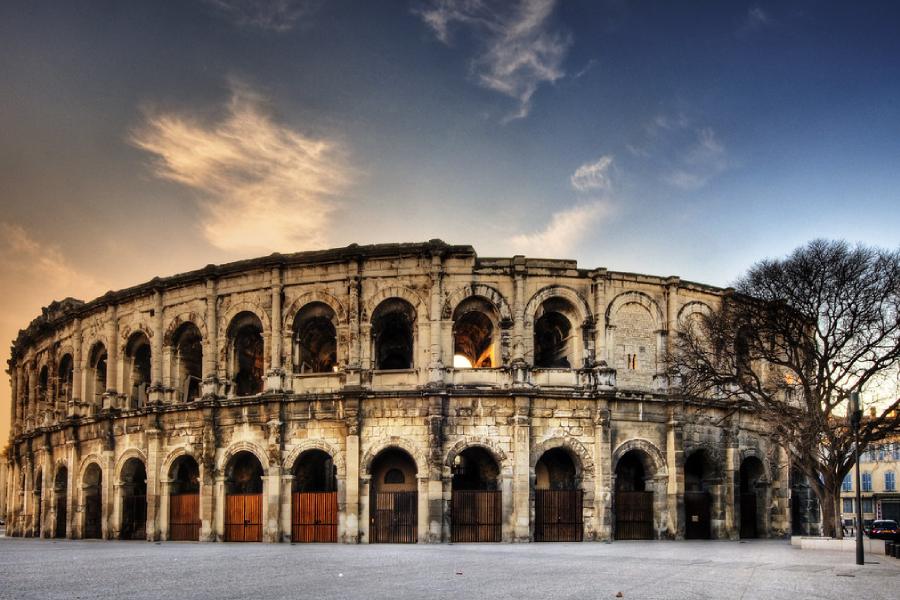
(758, 569)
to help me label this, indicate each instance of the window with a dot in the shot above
(847, 486)
(848, 505)
(631, 361)
(896, 451)
(867, 482)
(889, 481)
(867, 505)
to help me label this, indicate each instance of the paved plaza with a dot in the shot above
(758, 569)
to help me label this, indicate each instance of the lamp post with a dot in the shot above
(855, 417)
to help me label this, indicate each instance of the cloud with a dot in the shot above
(518, 49)
(755, 19)
(271, 15)
(262, 185)
(567, 228)
(705, 159)
(593, 176)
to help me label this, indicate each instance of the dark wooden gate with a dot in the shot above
(92, 517)
(697, 515)
(60, 516)
(748, 516)
(634, 515)
(314, 517)
(394, 517)
(134, 517)
(476, 516)
(184, 517)
(559, 515)
(243, 518)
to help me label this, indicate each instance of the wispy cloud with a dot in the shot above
(705, 159)
(519, 48)
(271, 15)
(593, 176)
(262, 185)
(567, 229)
(755, 19)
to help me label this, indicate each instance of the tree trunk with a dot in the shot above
(838, 522)
(829, 497)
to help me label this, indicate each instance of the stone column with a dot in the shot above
(519, 363)
(218, 534)
(27, 485)
(154, 461)
(671, 325)
(732, 473)
(47, 493)
(210, 344)
(165, 492)
(31, 413)
(521, 425)
(436, 367)
(156, 390)
(109, 489)
(112, 357)
(72, 486)
(603, 467)
(351, 514)
(77, 371)
(435, 487)
(274, 380)
(14, 397)
(287, 484)
(272, 507)
(18, 400)
(675, 467)
(599, 279)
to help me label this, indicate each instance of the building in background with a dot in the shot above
(879, 467)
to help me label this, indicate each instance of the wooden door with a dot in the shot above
(184, 517)
(697, 515)
(748, 516)
(394, 517)
(314, 517)
(92, 517)
(60, 516)
(476, 516)
(558, 515)
(134, 518)
(634, 515)
(243, 518)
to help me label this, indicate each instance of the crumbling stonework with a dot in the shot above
(221, 382)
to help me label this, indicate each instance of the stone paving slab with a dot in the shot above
(764, 569)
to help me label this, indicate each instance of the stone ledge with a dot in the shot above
(845, 545)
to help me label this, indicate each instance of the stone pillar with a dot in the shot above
(112, 357)
(165, 492)
(157, 388)
(272, 507)
(436, 366)
(274, 379)
(603, 467)
(435, 486)
(18, 400)
(14, 398)
(31, 413)
(72, 486)
(287, 484)
(732, 473)
(519, 363)
(675, 467)
(47, 493)
(211, 496)
(521, 424)
(671, 325)
(219, 509)
(210, 344)
(365, 521)
(154, 462)
(599, 289)
(109, 488)
(351, 514)
(77, 370)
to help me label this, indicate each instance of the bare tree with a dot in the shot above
(790, 344)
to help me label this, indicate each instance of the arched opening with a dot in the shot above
(475, 502)
(66, 374)
(558, 498)
(44, 384)
(137, 369)
(697, 496)
(92, 492)
(133, 489)
(315, 339)
(751, 494)
(96, 375)
(393, 331)
(633, 502)
(475, 335)
(554, 337)
(314, 514)
(247, 360)
(187, 362)
(60, 497)
(184, 499)
(243, 498)
(393, 507)
(38, 496)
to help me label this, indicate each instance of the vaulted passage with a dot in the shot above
(750, 493)
(475, 334)
(558, 499)
(92, 491)
(137, 369)
(184, 500)
(315, 339)
(187, 362)
(60, 495)
(394, 502)
(475, 505)
(633, 503)
(133, 489)
(96, 374)
(393, 324)
(247, 359)
(554, 337)
(243, 498)
(314, 505)
(697, 496)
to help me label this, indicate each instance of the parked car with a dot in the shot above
(884, 530)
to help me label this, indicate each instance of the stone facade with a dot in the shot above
(223, 381)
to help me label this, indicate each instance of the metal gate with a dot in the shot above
(475, 516)
(748, 516)
(184, 517)
(134, 518)
(697, 515)
(634, 515)
(92, 517)
(394, 517)
(243, 518)
(314, 517)
(559, 515)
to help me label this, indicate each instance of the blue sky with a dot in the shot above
(687, 138)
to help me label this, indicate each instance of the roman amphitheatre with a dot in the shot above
(386, 393)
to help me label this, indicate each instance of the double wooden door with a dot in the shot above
(558, 515)
(243, 518)
(394, 517)
(634, 515)
(184, 517)
(697, 515)
(476, 516)
(314, 517)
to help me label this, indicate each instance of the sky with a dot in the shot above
(149, 138)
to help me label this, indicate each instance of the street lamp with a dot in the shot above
(855, 418)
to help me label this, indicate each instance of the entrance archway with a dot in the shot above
(475, 502)
(558, 499)
(314, 505)
(92, 492)
(60, 489)
(394, 505)
(697, 497)
(752, 472)
(37, 497)
(633, 503)
(243, 498)
(184, 500)
(134, 500)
